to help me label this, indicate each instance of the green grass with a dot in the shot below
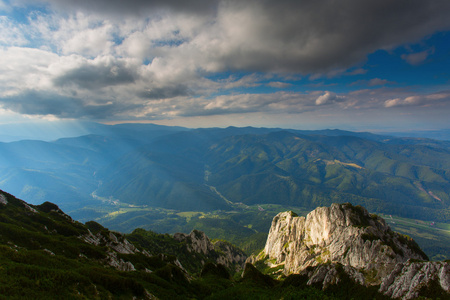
(433, 239)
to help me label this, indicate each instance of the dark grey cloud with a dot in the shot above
(42, 103)
(135, 7)
(90, 75)
(310, 36)
(165, 92)
(305, 36)
(34, 102)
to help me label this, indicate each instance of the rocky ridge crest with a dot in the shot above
(346, 238)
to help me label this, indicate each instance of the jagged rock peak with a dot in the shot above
(341, 233)
(198, 241)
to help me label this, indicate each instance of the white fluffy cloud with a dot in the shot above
(328, 98)
(419, 100)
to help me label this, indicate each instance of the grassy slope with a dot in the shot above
(42, 257)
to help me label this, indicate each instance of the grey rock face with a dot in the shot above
(346, 238)
(408, 279)
(197, 241)
(221, 252)
(115, 245)
(230, 255)
(341, 234)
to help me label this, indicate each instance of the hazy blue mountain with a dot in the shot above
(286, 168)
(443, 134)
(62, 171)
(48, 131)
(204, 169)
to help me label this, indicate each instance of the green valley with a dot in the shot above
(172, 179)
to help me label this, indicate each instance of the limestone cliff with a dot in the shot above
(347, 238)
(341, 233)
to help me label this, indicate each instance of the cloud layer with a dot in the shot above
(139, 59)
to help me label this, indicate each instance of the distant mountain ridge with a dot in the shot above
(202, 169)
(285, 168)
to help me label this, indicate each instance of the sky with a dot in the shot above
(373, 65)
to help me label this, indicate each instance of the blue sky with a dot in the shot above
(376, 65)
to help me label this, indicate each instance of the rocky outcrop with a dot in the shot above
(328, 274)
(220, 252)
(196, 241)
(412, 279)
(230, 255)
(343, 234)
(346, 239)
(115, 244)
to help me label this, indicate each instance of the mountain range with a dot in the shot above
(209, 169)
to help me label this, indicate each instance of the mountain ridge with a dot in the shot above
(406, 177)
(46, 254)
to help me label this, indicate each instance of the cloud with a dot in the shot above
(249, 103)
(10, 33)
(158, 59)
(378, 81)
(315, 36)
(42, 103)
(140, 8)
(372, 82)
(279, 84)
(417, 58)
(24, 69)
(286, 35)
(328, 98)
(251, 80)
(419, 100)
(165, 92)
(98, 73)
(34, 102)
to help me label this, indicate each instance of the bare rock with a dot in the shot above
(342, 233)
(219, 251)
(3, 199)
(408, 279)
